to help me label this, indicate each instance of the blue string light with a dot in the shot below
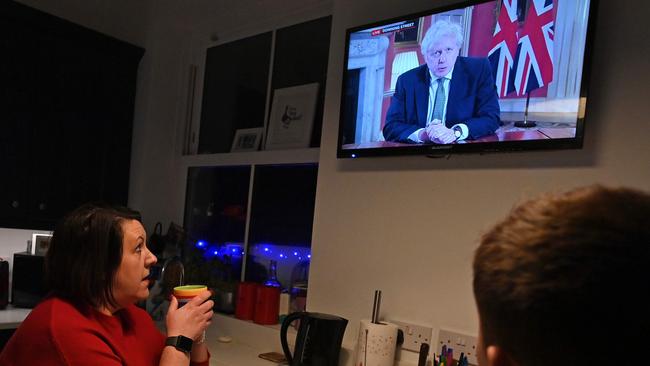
(266, 250)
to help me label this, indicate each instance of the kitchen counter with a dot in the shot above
(11, 317)
(235, 353)
(248, 340)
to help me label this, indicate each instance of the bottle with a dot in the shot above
(273, 276)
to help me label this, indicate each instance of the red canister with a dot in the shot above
(246, 296)
(267, 305)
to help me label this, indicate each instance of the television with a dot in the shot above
(473, 77)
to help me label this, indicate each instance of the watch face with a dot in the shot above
(184, 343)
(180, 342)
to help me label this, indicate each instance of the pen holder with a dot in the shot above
(376, 344)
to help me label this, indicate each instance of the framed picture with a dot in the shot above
(292, 117)
(40, 243)
(247, 139)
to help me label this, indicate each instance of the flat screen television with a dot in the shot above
(474, 77)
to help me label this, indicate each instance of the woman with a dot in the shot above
(98, 267)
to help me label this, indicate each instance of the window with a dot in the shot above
(215, 220)
(281, 203)
(282, 215)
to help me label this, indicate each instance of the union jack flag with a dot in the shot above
(504, 46)
(534, 58)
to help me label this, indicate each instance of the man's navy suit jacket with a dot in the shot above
(472, 100)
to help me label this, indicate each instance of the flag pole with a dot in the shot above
(526, 123)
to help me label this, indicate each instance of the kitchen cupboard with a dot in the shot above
(66, 113)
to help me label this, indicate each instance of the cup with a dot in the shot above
(267, 305)
(246, 298)
(186, 293)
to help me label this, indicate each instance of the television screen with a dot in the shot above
(478, 76)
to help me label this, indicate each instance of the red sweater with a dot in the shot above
(59, 333)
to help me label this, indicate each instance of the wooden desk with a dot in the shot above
(507, 132)
(509, 135)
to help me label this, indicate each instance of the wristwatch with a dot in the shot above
(180, 342)
(458, 132)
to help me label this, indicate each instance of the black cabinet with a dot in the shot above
(237, 80)
(66, 113)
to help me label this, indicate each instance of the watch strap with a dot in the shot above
(181, 343)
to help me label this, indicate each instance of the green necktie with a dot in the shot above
(439, 103)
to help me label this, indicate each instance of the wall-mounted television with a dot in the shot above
(474, 77)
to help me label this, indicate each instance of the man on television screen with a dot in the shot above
(448, 99)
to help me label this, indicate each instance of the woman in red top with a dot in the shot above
(98, 267)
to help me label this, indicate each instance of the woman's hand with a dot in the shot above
(191, 319)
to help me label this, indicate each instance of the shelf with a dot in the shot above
(290, 156)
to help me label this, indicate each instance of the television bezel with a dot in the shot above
(575, 142)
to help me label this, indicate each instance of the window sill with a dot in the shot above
(290, 156)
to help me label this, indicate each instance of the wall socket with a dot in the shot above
(414, 335)
(459, 342)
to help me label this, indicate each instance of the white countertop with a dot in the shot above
(11, 317)
(235, 353)
(248, 340)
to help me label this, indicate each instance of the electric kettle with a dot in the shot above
(318, 342)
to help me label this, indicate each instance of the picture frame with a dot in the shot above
(292, 117)
(247, 139)
(40, 243)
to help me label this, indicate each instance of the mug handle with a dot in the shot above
(283, 334)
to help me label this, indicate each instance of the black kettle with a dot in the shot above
(318, 342)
